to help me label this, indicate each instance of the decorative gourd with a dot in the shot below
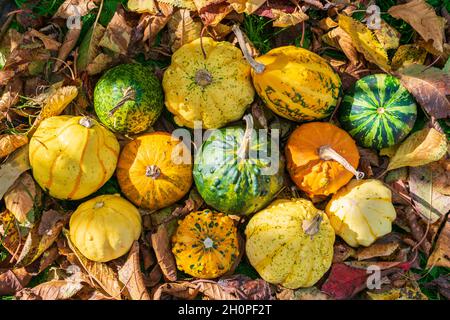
(378, 111)
(361, 212)
(290, 243)
(212, 86)
(128, 98)
(72, 157)
(293, 82)
(233, 175)
(321, 158)
(155, 170)
(104, 228)
(205, 244)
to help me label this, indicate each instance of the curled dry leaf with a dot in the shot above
(67, 46)
(52, 290)
(71, 8)
(365, 41)
(246, 288)
(342, 252)
(420, 148)
(163, 252)
(406, 293)
(10, 142)
(377, 250)
(416, 12)
(212, 11)
(40, 238)
(340, 39)
(181, 290)
(430, 86)
(183, 29)
(408, 54)
(103, 275)
(440, 256)
(213, 290)
(23, 198)
(10, 96)
(12, 168)
(131, 276)
(13, 280)
(49, 43)
(117, 35)
(150, 25)
(429, 202)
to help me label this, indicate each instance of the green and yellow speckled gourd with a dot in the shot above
(208, 82)
(233, 175)
(205, 244)
(293, 82)
(378, 111)
(290, 243)
(128, 98)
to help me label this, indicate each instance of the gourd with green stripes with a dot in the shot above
(378, 111)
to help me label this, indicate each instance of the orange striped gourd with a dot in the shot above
(72, 157)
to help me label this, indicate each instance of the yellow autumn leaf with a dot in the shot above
(420, 148)
(408, 54)
(143, 6)
(283, 19)
(246, 6)
(407, 293)
(56, 102)
(10, 142)
(186, 4)
(365, 41)
(387, 36)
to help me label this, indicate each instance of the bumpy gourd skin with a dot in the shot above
(205, 244)
(280, 250)
(378, 111)
(310, 173)
(141, 111)
(361, 212)
(223, 100)
(230, 184)
(297, 84)
(71, 161)
(173, 162)
(104, 228)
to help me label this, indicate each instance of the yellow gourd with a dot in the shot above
(361, 212)
(104, 228)
(72, 157)
(212, 86)
(290, 243)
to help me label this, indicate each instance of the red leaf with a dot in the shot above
(266, 9)
(344, 281)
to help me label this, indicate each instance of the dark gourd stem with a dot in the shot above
(153, 171)
(328, 153)
(129, 94)
(201, 42)
(203, 78)
(311, 227)
(244, 148)
(86, 122)
(258, 67)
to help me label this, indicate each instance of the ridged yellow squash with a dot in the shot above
(297, 84)
(290, 243)
(72, 157)
(361, 212)
(215, 89)
(104, 228)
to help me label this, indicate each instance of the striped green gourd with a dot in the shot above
(378, 111)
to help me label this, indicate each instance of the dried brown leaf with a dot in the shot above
(22, 199)
(12, 168)
(441, 254)
(67, 46)
(311, 293)
(342, 252)
(130, 275)
(117, 34)
(53, 290)
(183, 29)
(430, 86)
(163, 252)
(71, 8)
(10, 142)
(49, 43)
(377, 250)
(388, 37)
(340, 39)
(247, 6)
(13, 280)
(181, 290)
(422, 17)
(213, 290)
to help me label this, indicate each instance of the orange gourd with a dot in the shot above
(321, 158)
(155, 170)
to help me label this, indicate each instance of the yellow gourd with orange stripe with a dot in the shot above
(72, 157)
(362, 212)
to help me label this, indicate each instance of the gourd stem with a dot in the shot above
(129, 94)
(328, 153)
(311, 227)
(153, 171)
(242, 153)
(258, 67)
(86, 122)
